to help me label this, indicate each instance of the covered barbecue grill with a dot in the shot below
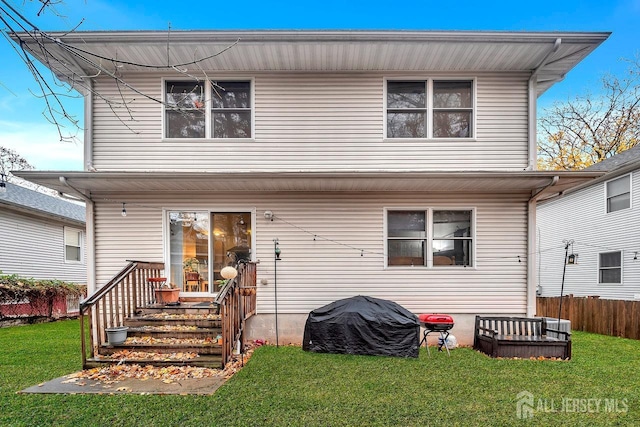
(438, 323)
(362, 325)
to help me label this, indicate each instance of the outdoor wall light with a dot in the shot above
(3, 184)
(276, 249)
(124, 210)
(268, 215)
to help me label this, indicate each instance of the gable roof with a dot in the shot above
(41, 204)
(547, 55)
(627, 157)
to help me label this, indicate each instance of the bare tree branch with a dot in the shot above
(588, 129)
(54, 88)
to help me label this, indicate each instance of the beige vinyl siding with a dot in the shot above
(307, 121)
(582, 217)
(34, 247)
(314, 273)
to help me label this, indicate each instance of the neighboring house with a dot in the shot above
(42, 236)
(399, 165)
(603, 220)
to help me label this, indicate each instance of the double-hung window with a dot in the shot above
(219, 109)
(610, 267)
(430, 237)
(72, 245)
(429, 109)
(619, 193)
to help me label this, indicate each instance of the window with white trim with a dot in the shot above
(610, 267)
(447, 113)
(431, 237)
(220, 109)
(72, 245)
(618, 193)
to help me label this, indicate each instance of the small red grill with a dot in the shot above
(440, 323)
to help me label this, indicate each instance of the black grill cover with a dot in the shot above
(362, 325)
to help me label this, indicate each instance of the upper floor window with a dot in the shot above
(218, 109)
(447, 113)
(446, 234)
(619, 193)
(72, 245)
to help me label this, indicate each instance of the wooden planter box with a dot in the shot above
(519, 337)
(167, 295)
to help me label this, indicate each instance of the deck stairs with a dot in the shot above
(164, 335)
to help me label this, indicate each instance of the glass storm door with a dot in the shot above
(189, 250)
(231, 241)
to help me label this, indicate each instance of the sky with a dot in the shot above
(24, 129)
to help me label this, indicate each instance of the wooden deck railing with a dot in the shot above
(237, 301)
(115, 301)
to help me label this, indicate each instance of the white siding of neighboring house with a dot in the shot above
(307, 121)
(34, 247)
(581, 216)
(314, 273)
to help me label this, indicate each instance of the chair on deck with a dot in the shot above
(192, 281)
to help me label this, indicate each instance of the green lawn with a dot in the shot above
(286, 386)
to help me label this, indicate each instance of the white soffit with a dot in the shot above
(427, 182)
(330, 51)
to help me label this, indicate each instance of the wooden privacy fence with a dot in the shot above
(617, 318)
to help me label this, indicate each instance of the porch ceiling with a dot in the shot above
(319, 51)
(387, 181)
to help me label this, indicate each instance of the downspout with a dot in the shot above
(533, 101)
(88, 162)
(88, 128)
(531, 247)
(90, 233)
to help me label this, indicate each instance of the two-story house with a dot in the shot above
(394, 164)
(600, 222)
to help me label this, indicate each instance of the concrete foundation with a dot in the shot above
(291, 328)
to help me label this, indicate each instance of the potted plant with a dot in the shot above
(167, 294)
(116, 335)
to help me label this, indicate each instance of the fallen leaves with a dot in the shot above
(167, 374)
(168, 328)
(151, 356)
(146, 340)
(182, 316)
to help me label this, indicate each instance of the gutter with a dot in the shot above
(533, 107)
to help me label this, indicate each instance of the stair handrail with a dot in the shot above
(97, 295)
(119, 297)
(235, 309)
